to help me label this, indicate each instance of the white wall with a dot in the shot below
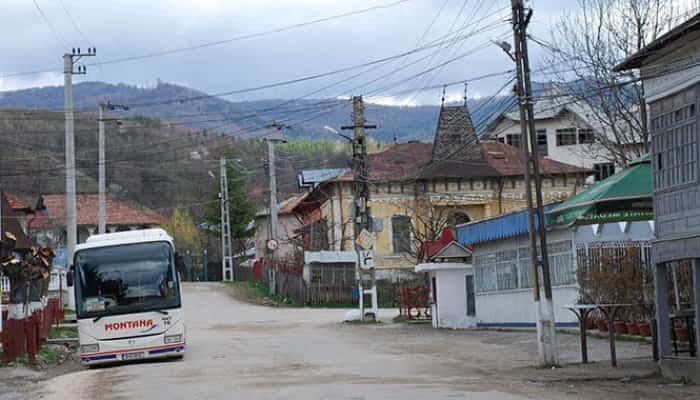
(580, 155)
(452, 300)
(517, 307)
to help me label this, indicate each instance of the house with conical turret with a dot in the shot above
(418, 189)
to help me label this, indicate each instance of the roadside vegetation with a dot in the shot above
(257, 293)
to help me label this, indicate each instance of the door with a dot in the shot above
(471, 303)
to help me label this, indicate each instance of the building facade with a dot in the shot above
(671, 78)
(419, 188)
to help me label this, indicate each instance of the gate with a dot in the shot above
(196, 266)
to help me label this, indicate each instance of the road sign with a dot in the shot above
(366, 259)
(365, 239)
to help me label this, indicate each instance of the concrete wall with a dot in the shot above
(452, 300)
(287, 225)
(517, 307)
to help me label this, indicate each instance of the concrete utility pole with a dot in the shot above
(273, 244)
(226, 250)
(69, 60)
(363, 224)
(101, 192)
(546, 332)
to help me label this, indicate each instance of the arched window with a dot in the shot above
(456, 218)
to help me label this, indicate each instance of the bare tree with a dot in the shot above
(586, 45)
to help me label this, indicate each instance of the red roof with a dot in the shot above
(16, 203)
(432, 247)
(508, 161)
(403, 161)
(118, 212)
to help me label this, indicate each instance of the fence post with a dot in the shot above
(188, 265)
(205, 265)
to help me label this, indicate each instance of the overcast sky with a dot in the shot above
(134, 27)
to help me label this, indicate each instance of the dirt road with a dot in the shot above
(242, 351)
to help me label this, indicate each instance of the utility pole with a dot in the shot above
(273, 243)
(101, 191)
(546, 332)
(69, 60)
(363, 223)
(226, 250)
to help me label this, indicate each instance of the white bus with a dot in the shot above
(127, 296)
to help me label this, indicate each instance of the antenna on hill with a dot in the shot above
(444, 88)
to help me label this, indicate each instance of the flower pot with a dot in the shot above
(682, 334)
(644, 329)
(590, 323)
(620, 327)
(632, 329)
(602, 325)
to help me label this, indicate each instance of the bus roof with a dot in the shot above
(127, 237)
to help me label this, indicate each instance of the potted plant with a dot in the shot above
(602, 325)
(632, 328)
(682, 333)
(620, 327)
(644, 328)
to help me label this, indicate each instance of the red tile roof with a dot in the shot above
(509, 161)
(118, 212)
(403, 161)
(16, 203)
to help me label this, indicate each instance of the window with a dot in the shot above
(401, 233)
(513, 139)
(457, 218)
(603, 170)
(511, 269)
(501, 140)
(675, 147)
(566, 137)
(586, 136)
(542, 142)
(471, 306)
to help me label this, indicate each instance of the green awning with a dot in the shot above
(620, 197)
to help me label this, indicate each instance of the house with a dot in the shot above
(419, 188)
(566, 132)
(611, 216)
(671, 79)
(451, 276)
(288, 226)
(48, 227)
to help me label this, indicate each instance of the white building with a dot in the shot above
(566, 132)
(451, 277)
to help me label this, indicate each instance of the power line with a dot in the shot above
(56, 35)
(219, 42)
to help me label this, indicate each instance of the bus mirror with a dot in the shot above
(69, 278)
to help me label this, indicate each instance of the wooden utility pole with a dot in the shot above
(69, 60)
(363, 223)
(546, 332)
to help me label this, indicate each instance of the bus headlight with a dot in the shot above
(89, 348)
(173, 339)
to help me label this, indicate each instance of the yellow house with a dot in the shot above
(419, 188)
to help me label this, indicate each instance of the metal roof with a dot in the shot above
(312, 177)
(501, 227)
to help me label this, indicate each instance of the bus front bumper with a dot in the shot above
(132, 350)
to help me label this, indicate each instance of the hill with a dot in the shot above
(307, 118)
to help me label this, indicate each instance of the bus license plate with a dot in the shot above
(133, 356)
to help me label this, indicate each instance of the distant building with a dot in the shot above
(566, 132)
(671, 78)
(49, 226)
(416, 186)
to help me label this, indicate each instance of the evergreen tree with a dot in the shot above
(241, 208)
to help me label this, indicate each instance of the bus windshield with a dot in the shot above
(125, 279)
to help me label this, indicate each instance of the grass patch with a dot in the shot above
(361, 322)
(69, 311)
(399, 319)
(48, 356)
(257, 293)
(63, 333)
